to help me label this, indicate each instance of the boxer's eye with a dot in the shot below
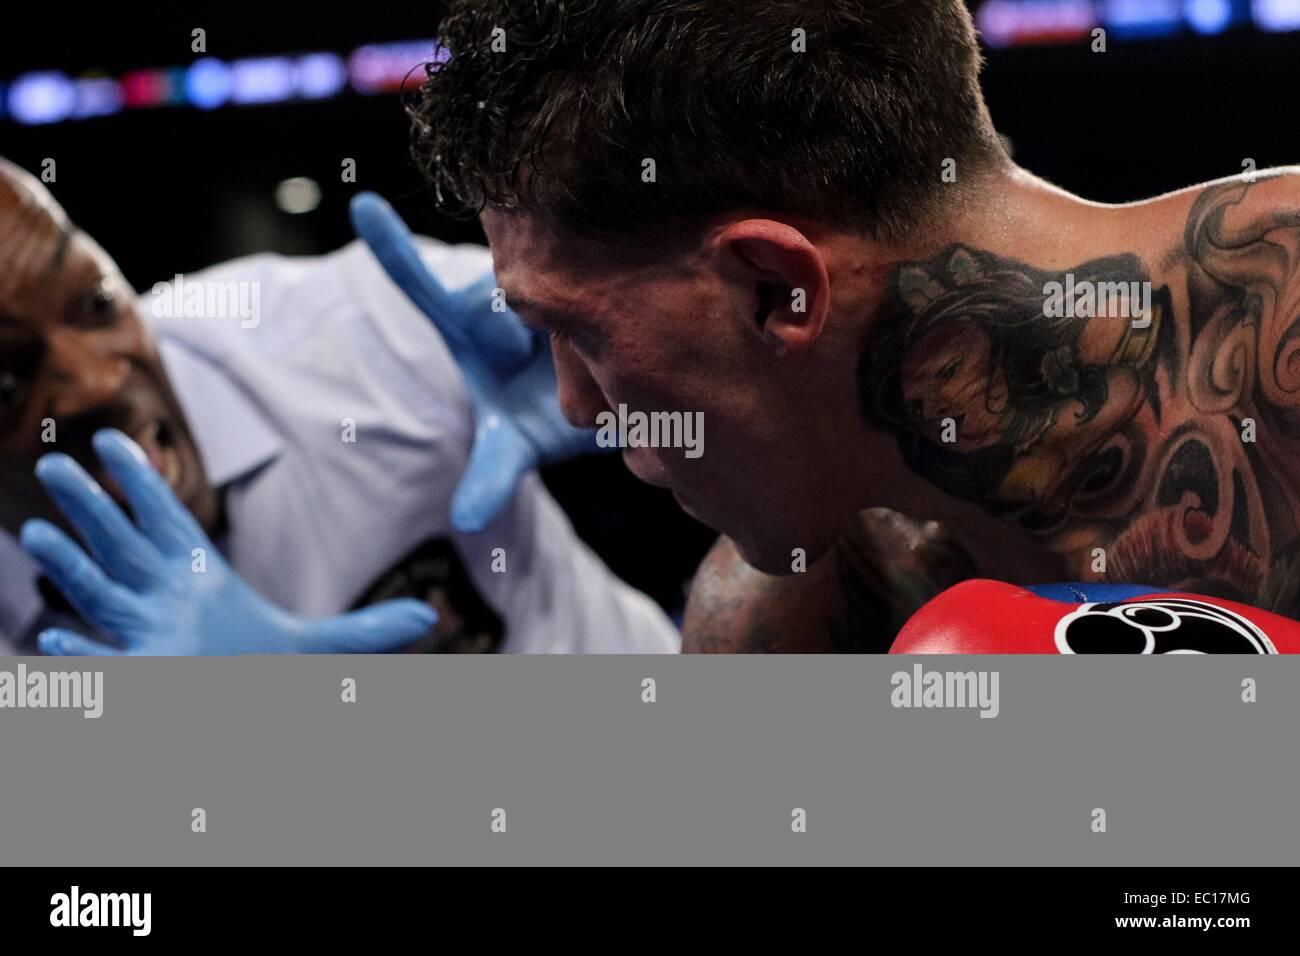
(570, 338)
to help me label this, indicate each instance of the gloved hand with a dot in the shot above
(160, 586)
(990, 617)
(507, 367)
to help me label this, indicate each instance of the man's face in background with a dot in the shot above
(76, 357)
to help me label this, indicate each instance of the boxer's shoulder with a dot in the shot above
(1237, 208)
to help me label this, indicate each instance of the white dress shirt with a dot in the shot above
(336, 352)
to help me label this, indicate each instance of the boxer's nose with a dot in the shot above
(581, 399)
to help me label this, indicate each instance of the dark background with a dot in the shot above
(177, 189)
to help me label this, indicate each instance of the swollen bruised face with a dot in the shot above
(634, 331)
(76, 357)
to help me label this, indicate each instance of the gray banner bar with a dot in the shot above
(712, 771)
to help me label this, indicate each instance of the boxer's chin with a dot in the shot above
(770, 557)
(783, 551)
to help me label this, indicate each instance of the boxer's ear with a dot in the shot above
(780, 280)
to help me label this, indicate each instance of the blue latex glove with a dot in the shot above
(507, 368)
(142, 589)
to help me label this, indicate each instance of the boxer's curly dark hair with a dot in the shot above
(554, 105)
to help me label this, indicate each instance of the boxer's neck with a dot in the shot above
(995, 366)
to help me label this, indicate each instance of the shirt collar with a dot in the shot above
(233, 435)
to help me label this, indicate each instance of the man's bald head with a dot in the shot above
(18, 182)
(34, 230)
(75, 357)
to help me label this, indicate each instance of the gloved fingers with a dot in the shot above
(57, 642)
(380, 629)
(542, 420)
(500, 458)
(158, 513)
(96, 597)
(382, 229)
(116, 543)
(499, 339)
(502, 339)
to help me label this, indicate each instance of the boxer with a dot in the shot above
(807, 228)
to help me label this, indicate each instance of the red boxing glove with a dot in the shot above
(990, 617)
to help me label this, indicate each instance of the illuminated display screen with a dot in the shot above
(52, 96)
(1022, 22)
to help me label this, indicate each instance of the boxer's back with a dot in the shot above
(1212, 501)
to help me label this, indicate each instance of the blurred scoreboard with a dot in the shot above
(58, 95)
(1005, 23)
(54, 96)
